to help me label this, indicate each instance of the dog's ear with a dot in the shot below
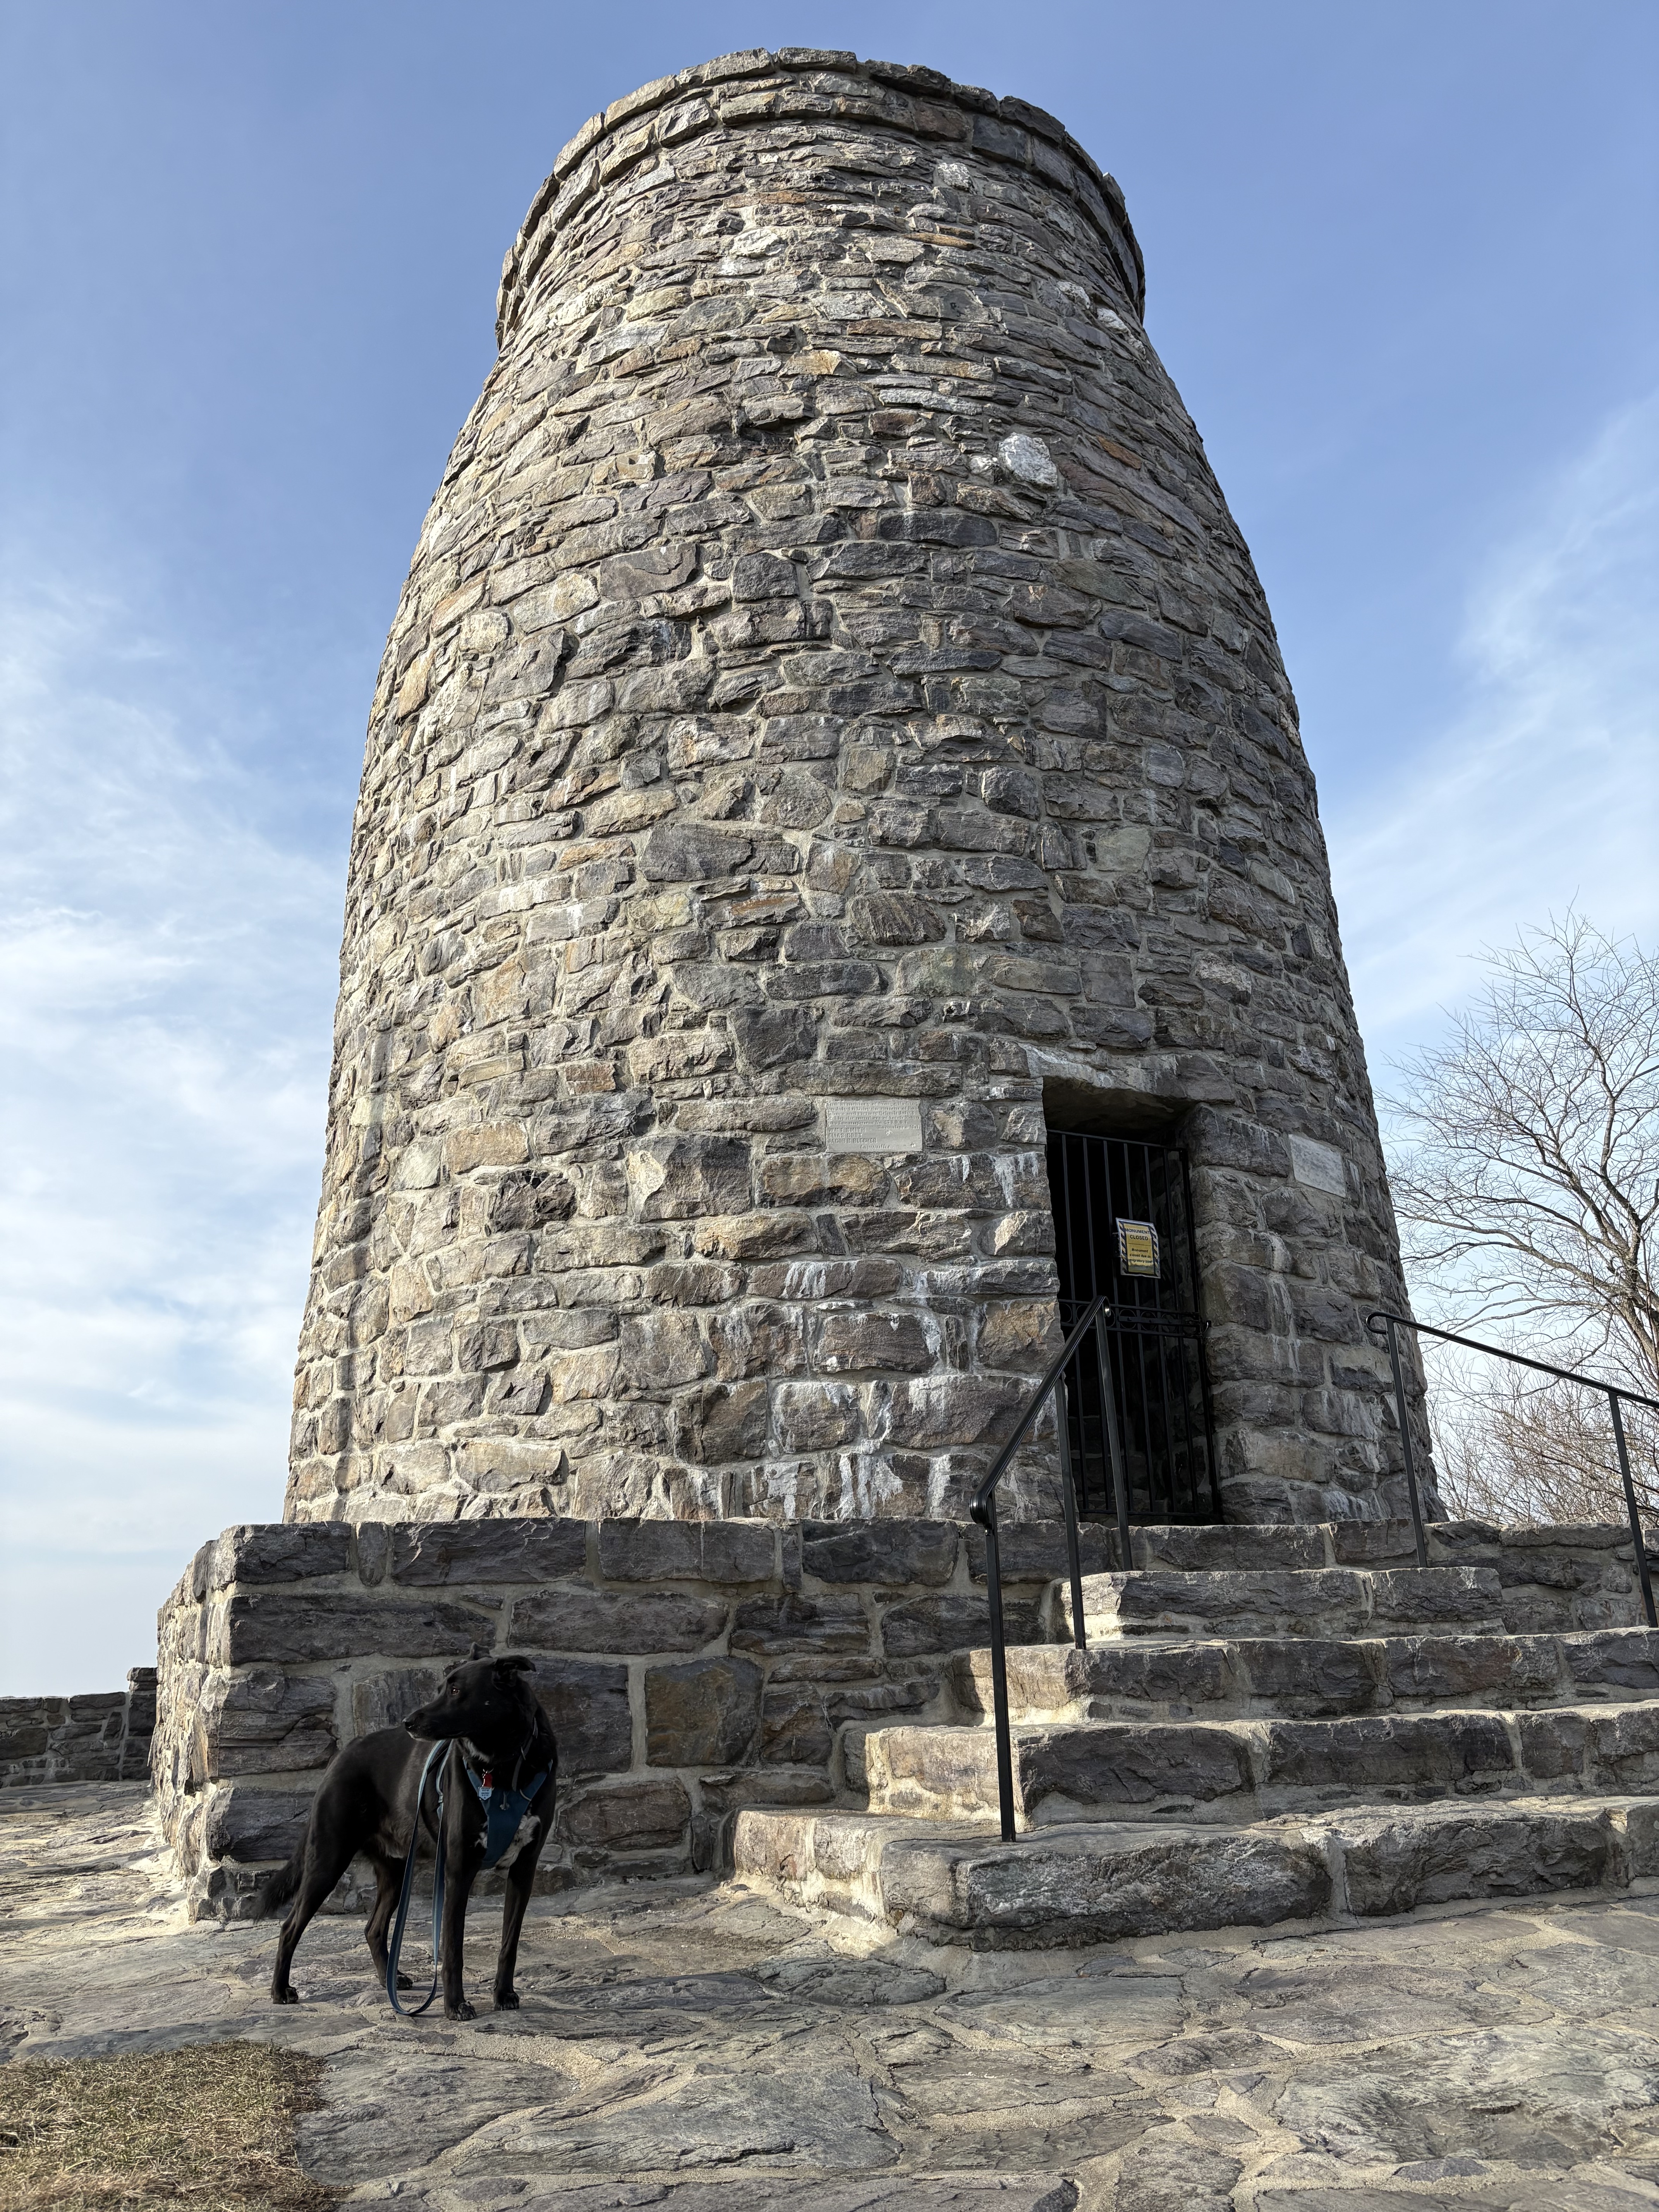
(515, 1663)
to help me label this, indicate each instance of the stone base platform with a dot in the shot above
(1261, 1731)
(1081, 1882)
(694, 1669)
(689, 1668)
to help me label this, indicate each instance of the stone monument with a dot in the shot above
(832, 738)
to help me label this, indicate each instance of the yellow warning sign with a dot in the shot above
(1137, 1248)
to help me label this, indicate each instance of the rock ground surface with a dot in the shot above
(701, 2049)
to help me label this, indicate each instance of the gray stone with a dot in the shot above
(278, 1553)
(1494, 2093)
(586, 1701)
(576, 1618)
(1623, 1659)
(1035, 1551)
(1427, 1752)
(626, 1816)
(1393, 1865)
(1079, 1883)
(383, 1700)
(283, 1625)
(705, 1713)
(893, 1552)
(517, 1551)
(793, 1623)
(1059, 1771)
(1491, 2055)
(247, 1822)
(1172, 2172)
(261, 1721)
(97, 1736)
(772, 2116)
(856, 1983)
(923, 1626)
(692, 1551)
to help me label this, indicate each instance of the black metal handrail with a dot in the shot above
(1383, 1323)
(984, 1511)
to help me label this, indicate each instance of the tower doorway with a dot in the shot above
(1123, 1227)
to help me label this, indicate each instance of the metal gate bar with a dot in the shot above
(1153, 1361)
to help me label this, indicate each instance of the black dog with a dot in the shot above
(494, 1724)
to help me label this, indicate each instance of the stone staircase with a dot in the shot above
(1258, 1735)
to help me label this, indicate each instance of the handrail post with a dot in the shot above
(1114, 1440)
(999, 1673)
(1405, 1443)
(1630, 1507)
(982, 1508)
(1073, 1560)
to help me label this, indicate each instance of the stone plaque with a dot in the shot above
(872, 1124)
(1320, 1166)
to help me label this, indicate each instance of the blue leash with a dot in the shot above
(396, 1945)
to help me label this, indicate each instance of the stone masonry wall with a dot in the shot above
(828, 683)
(689, 1668)
(100, 1736)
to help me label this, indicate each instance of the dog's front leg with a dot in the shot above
(520, 1875)
(461, 1865)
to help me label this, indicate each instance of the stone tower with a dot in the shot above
(832, 734)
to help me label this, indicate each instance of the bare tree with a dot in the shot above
(1512, 1446)
(1528, 1185)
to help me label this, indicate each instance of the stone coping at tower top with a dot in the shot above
(807, 84)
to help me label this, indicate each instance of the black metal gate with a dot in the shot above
(1107, 1191)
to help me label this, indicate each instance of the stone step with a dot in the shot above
(1210, 1547)
(953, 1882)
(1326, 1601)
(1309, 1677)
(1252, 1769)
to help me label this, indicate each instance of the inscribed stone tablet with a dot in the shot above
(1318, 1165)
(872, 1125)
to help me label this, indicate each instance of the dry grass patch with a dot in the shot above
(210, 2127)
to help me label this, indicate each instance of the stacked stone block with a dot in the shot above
(697, 1672)
(99, 1736)
(829, 673)
(688, 1669)
(1268, 1725)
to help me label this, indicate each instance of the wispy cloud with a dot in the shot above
(165, 988)
(1542, 787)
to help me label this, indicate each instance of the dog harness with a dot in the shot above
(503, 1809)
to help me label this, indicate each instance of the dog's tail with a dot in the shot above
(275, 1893)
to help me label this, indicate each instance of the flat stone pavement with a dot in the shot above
(700, 2049)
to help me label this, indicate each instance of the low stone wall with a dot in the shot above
(101, 1736)
(1553, 1577)
(689, 1668)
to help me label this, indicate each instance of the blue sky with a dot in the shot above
(1400, 262)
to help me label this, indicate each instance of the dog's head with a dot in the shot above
(487, 1700)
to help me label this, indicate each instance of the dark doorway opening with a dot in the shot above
(1108, 1192)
